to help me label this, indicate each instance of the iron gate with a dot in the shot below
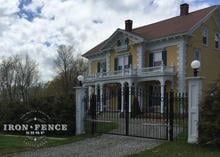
(143, 117)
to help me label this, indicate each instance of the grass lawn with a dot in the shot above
(11, 144)
(179, 148)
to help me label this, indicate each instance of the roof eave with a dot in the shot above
(196, 26)
(168, 37)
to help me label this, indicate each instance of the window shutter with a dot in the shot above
(164, 57)
(129, 60)
(98, 67)
(116, 64)
(151, 61)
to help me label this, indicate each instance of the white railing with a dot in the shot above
(131, 72)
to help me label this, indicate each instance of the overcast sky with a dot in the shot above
(37, 27)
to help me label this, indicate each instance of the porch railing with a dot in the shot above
(131, 72)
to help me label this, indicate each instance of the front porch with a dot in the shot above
(130, 72)
(147, 96)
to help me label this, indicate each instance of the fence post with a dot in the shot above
(171, 115)
(93, 113)
(127, 111)
(194, 98)
(80, 111)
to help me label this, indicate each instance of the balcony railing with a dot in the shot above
(149, 71)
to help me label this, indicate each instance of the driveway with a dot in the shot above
(101, 146)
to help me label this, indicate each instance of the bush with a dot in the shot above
(209, 125)
(60, 108)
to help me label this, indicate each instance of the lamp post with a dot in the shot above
(195, 66)
(194, 98)
(80, 79)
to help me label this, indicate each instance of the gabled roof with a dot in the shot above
(173, 26)
(94, 49)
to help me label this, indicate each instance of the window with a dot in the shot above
(158, 58)
(197, 54)
(123, 62)
(217, 38)
(205, 36)
(122, 44)
(101, 66)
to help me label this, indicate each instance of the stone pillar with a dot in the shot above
(80, 113)
(194, 98)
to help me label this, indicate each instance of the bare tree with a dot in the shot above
(26, 76)
(68, 67)
(7, 78)
(17, 76)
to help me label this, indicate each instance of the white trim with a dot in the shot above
(107, 61)
(162, 44)
(205, 33)
(119, 31)
(203, 20)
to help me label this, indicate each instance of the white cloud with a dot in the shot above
(72, 22)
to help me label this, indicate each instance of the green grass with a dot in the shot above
(179, 148)
(12, 144)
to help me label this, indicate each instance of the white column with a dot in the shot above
(80, 96)
(182, 66)
(107, 62)
(162, 85)
(194, 97)
(140, 49)
(101, 98)
(122, 97)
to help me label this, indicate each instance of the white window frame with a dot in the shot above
(205, 33)
(217, 39)
(121, 61)
(103, 68)
(123, 44)
(157, 59)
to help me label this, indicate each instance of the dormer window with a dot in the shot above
(217, 39)
(122, 44)
(205, 36)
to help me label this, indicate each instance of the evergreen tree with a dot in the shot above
(209, 125)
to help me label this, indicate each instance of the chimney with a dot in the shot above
(184, 9)
(128, 25)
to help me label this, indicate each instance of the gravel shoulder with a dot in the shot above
(101, 146)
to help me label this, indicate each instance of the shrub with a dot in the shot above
(209, 125)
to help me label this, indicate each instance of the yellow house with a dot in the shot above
(156, 57)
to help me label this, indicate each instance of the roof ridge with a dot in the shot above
(174, 17)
